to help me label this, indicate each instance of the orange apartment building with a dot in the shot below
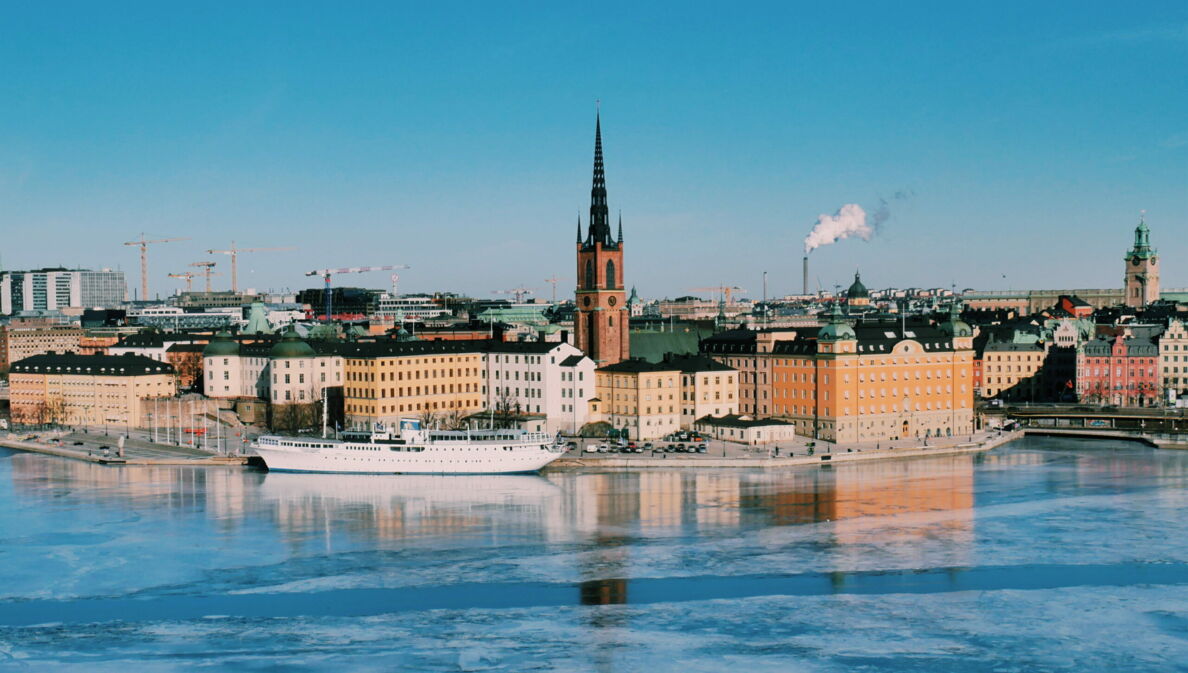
(878, 380)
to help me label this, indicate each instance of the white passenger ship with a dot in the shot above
(412, 451)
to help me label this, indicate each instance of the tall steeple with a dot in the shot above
(602, 320)
(579, 231)
(1142, 239)
(600, 231)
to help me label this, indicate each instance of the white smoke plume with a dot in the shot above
(851, 220)
(848, 221)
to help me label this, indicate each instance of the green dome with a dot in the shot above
(955, 326)
(837, 329)
(291, 346)
(857, 289)
(222, 345)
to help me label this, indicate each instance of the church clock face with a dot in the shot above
(612, 301)
(1134, 261)
(586, 302)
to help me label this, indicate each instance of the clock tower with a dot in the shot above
(602, 319)
(1142, 269)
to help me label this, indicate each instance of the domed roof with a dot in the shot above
(837, 329)
(221, 345)
(955, 326)
(857, 289)
(291, 346)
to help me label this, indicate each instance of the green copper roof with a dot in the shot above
(653, 346)
(857, 289)
(837, 329)
(291, 346)
(1142, 242)
(222, 345)
(257, 321)
(955, 326)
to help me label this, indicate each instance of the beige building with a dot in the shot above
(1173, 358)
(384, 382)
(708, 387)
(640, 397)
(91, 390)
(25, 342)
(1012, 371)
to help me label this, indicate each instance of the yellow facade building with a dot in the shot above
(640, 397)
(74, 389)
(384, 382)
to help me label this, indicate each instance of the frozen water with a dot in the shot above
(1047, 555)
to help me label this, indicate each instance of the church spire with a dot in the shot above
(579, 235)
(620, 227)
(600, 231)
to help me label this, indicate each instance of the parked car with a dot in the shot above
(591, 448)
(78, 443)
(702, 448)
(603, 448)
(680, 448)
(648, 446)
(632, 445)
(572, 445)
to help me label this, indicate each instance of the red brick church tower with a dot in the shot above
(601, 321)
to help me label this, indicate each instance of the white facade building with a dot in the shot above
(289, 371)
(550, 378)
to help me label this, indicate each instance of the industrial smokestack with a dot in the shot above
(806, 274)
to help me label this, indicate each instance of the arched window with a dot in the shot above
(610, 275)
(591, 281)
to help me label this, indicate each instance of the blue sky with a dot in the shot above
(457, 138)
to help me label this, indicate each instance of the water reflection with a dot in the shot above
(193, 542)
(608, 510)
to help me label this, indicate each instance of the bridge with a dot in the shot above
(1165, 428)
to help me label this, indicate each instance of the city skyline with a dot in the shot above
(462, 143)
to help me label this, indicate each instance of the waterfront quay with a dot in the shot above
(104, 450)
(724, 455)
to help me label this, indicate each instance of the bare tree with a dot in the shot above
(453, 420)
(507, 409)
(429, 419)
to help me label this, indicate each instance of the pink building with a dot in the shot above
(1121, 370)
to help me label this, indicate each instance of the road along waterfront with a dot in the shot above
(1018, 558)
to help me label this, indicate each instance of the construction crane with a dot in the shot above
(327, 273)
(189, 276)
(554, 280)
(234, 252)
(517, 292)
(144, 244)
(207, 271)
(722, 290)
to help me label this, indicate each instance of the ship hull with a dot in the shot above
(460, 460)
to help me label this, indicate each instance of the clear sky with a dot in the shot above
(458, 137)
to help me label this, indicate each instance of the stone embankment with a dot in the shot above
(1158, 440)
(700, 461)
(156, 455)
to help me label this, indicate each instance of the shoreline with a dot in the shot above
(90, 457)
(679, 461)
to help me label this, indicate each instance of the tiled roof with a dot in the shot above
(636, 366)
(97, 365)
